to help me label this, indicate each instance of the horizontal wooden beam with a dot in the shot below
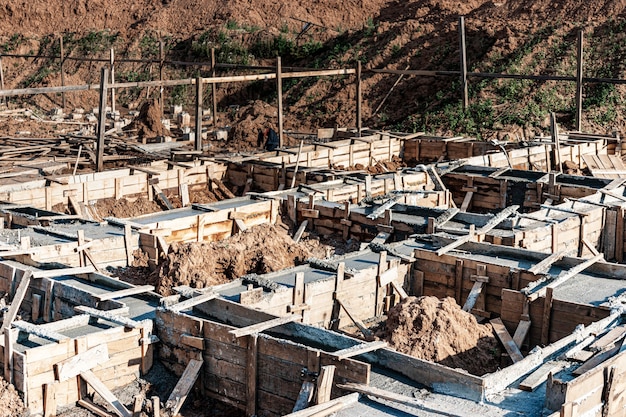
(187, 304)
(359, 349)
(104, 315)
(259, 327)
(53, 273)
(125, 293)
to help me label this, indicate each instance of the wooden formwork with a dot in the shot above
(121, 183)
(257, 373)
(33, 360)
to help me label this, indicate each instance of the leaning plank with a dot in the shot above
(17, 301)
(161, 196)
(324, 384)
(327, 408)
(38, 331)
(560, 279)
(259, 327)
(96, 409)
(83, 361)
(399, 290)
(532, 381)
(53, 273)
(125, 293)
(610, 337)
(105, 315)
(380, 238)
(106, 395)
(304, 397)
(184, 385)
(521, 331)
(506, 340)
(358, 323)
(300, 231)
(359, 349)
(596, 360)
(544, 266)
(473, 296)
(384, 207)
(187, 304)
(491, 224)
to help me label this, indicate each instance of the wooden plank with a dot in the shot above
(106, 394)
(506, 340)
(399, 290)
(324, 384)
(473, 296)
(183, 386)
(105, 315)
(241, 226)
(55, 273)
(161, 196)
(10, 315)
(259, 327)
(251, 374)
(545, 265)
(304, 397)
(94, 408)
(358, 323)
(39, 331)
(300, 231)
(49, 399)
(81, 362)
(532, 381)
(328, 408)
(521, 332)
(359, 349)
(609, 338)
(597, 359)
(187, 304)
(125, 293)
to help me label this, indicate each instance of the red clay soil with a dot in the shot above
(122, 208)
(11, 404)
(260, 250)
(148, 124)
(440, 331)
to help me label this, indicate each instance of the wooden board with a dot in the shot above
(506, 340)
(183, 387)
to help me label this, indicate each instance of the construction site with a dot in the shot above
(156, 260)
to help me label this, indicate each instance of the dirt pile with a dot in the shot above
(260, 249)
(440, 331)
(148, 124)
(122, 208)
(11, 404)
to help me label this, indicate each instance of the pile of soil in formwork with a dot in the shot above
(10, 402)
(440, 331)
(381, 167)
(260, 249)
(148, 124)
(122, 208)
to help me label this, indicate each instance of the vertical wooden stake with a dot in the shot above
(198, 142)
(458, 280)
(161, 58)
(554, 128)
(279, 88)
(579, 82)
(104, 75)
(2, 80)
(359, 94)
(62, 65)
(464, 89)
(547, 312)
(213, 88)
(112, 65)
(251, 371)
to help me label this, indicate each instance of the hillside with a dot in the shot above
(530, 37)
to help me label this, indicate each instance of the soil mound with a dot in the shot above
(123, 208)
(260, 250)
(440, 331)
(11, 404)
(148, 124)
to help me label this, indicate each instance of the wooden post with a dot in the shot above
(112, 65)
(161, 58)
(63, 103)
(2, 80)
(579, 83)
(359, 94)
(554, 129)
(547, 312)
(198, 141)
(104, 74)
(279, 88)
(251, 375)
(213, 88)
(464, 91)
